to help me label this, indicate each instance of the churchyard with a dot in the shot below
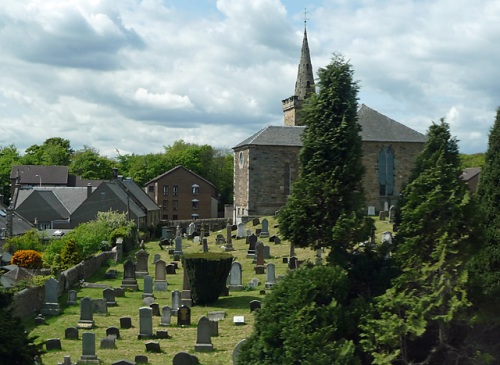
(233, 312)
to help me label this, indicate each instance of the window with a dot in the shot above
(175, 190)
(175, 204)
(386, 171)
(196, 189)
(165, 189)
(195, 203)
(165, 205)
(165, 217)
(241, 159)
(194, 216)
(175, 217)
(151, 188)
(287, 179)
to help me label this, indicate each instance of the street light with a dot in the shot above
(40, 179)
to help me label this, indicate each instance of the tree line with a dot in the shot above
(215, 165)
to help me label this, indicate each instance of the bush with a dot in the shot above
(207, 273)
(29, 259)
(71, 255)
(28, 241)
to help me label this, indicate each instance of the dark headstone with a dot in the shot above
(262, 292)
(71, 333)
(40, 319)
(110, 274)
(161, 334)
(108, 342)
(141, 359)
(184, 316)
(113, 331)
(123, 362)
(255, 222)
(53, 344)
(125, 322)
(171, 269)
(285, 260)
(203, 335)
(254, 304)
(156, 309)
(183, 358)
(119, 292)
(153, 346)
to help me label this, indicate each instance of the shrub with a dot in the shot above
(29, 259)
(71, 254)
(28, 241)
(207, 273)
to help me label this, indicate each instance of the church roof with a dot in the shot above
(375, 127)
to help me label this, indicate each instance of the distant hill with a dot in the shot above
(472, 160)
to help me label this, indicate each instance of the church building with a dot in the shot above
(266, 163)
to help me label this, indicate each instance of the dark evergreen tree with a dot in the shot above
(16, 348)
(323, 209)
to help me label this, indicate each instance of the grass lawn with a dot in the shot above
(181, 339)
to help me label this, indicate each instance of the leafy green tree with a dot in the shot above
(71, 254)
(473, 160)
(17, 347)
(54, 151)
(328, 193)
(89, 164)
(28, 241)
(9, 156)
(305, 320)
(414, 320)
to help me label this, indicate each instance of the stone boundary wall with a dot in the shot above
(28, 302)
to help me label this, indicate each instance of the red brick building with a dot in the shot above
(183, 195)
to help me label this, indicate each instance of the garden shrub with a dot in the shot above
(29, 259)
(28, 241)
(207, 273)
(71, 254)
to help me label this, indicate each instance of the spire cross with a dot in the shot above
(305, 17)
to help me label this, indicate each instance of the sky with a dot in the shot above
(134, 76)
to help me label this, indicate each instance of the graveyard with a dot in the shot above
(147, 320)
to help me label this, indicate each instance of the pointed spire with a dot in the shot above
(305, 77)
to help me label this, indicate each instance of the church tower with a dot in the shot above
(303, 86)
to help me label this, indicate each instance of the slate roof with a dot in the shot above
(69, 197)
(470, 172)
(174, 169)
(374, 127)
(121, 195)
(140, 195)
(50, 175)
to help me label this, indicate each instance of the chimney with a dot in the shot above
(89, 189)
(115, 172)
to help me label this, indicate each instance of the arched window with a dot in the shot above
(196, 189)
(386, 171)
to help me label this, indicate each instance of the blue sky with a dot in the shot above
(135, 76)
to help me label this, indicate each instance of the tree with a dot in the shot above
(328, 194)
(17, 348)
(54, 151)
(415, 318)
(89, 164)
(9, 156)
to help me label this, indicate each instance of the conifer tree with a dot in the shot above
(321, 211)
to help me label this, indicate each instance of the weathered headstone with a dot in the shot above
(72, 297)
(166, 315)
(141, 359)
(240, 231)
(254, 304)
(318, 257)
(160, 276)
(371, 210)
(148, 301)
(53, 344)
(88, 349)
(66, 361)
(203, 340)
(170, 269)
(148, 287)
(293, 263)
(190, 229)
(125, 322)
(184, 316)
(292, 250)
(271, 275)
(255, 222)
(51, 304)
(238, 320)
(129, 280)
(267, 252)
(156, 309)
(71, 333)
(205, 245)
(178, 245)
(214, 328)
(387, 237)
(145, 322)
(235, 276)
(108, 342)
(123, 362)
(86, 314)
(216, 315)
(184, 358)
(229, 239)
(40, 319)
(109, 295)
(141, 267)
(156, 257)
(264, 228)
(277, 240)
(161, 334)
(110, 274)
(259, 258)
(100, 306)
(113, 331)
(119, 292)
(153, 346)
(237, 350)
(252, 240)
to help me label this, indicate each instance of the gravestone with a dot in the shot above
(53, 344)
(240, 231)
(235, 276)
(237, 350)
(203, 340)
(184, 316)
(255, 304)
(161, 334)
(216, 315)
(129, 281)
(271, 275)
(183, 358)
(293, 263)
(108, 342)
(252, 240)
(72, 297)
(51, 304)
(156, 257)
(40, 319)
(214, 328)
(66, 361)
(141, 266)
(148, 301)
(110, 274)
(248, 233)
(186, 290)
(170, 269)
(259, 258)
(176, 301)
(125, 322)
(119, 292)
(156, 309)
(229, 239)
(119, 249)
(141, 359)
(255, 222)
(292, 250)
(109, 295)
(371, 210)
(166, 315)
(387, 237)
(153, 346)
(148, 287)
(86, 314)
(238, 320)
(113, 331)
(277, 240)
(205, 245)
(145, 323)
(100, 306)
(178, 246)
(71, 333)
(267, 252)
(123, 362)
(318, 257)
(190, 229)
(88, 349)
(161, 276)
(264, 228)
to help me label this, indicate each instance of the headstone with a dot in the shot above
(129, 281)
(119, 292)
(145, 322)
(216, 315)
(191, 228)
(382, 215)
(113, 331)
(153, 346)
(255, 222)
(237, 350)
(40, 319)
(183, 358)
(156, 309)
(235, 276)
(240, 231)
(100, 306)
(51, 304)
(293, 263)
(88, 349)
(271, 275)
(203, 340)
(71, 333)
(214, 328)
(252, 240)
(254, 304)
(161, 334)
(148, 301)
(178, 245)
(156, 257)
(141, 359)
(53, 344)
(109, 296)
(259, 258)
(292, 250)
(125, 322)
(285, 260)
(186, 290)
(141, 266)
(371, 210)
(248, 232)
(72, 297)
(86, 314)
(205, 245)
(119, 249)
(184, 316)
(123, 362)
(110, 274)
(166, 315)
(238, 320)
(170, 268)
(176, 301)
(66, 361)
(267, 252)
(265, 228)
(387, 237)
(148, 287)
(108, 342)
(229, 239)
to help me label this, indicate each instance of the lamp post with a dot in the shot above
(40, 178)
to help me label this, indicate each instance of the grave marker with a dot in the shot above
(203, 340)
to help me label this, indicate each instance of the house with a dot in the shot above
(19, 225)
(183, 195)
(266, 163)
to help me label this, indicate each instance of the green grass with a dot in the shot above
(181, 339)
